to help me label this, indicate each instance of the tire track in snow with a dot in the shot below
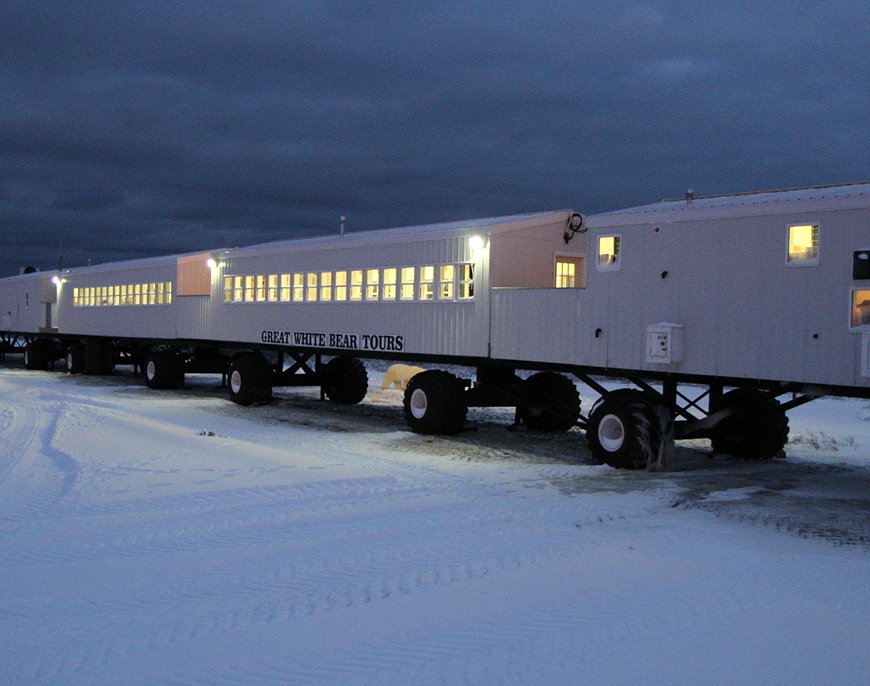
(32, 426)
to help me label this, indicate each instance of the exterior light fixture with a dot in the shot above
(476, 242)
(211, 263)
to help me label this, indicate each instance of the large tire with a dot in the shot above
(550, 402)
(345, 380)
(759, 433)
(99, 357)
(624, 430)
(75, 358)
(163, 369)
(250, 379)
(36, 355)
(435, 403)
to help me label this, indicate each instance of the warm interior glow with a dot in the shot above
(861, 308)
(803, 242)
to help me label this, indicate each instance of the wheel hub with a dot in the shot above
(235, 381)
(611, 433)
(419, 403)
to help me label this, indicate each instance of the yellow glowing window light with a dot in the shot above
(608, 252)
(341, 286)
(356, 279)
(373, 277)
(407, 291)
(860, 308)
(326, 285)
(427, 279)
(803, 243)
(390, 276)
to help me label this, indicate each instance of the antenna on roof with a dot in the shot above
(690, 195)
(343, 219)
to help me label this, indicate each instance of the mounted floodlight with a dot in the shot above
(55, 280)
(211, 263)
(476, 242)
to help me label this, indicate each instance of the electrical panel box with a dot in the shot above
(664, 343)
(861, 265)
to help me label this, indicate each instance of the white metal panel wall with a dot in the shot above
(20, 307)
(133, 321)
(745, 313)
(425, 327)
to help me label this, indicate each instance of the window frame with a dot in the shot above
(803, 261)
(616, 264)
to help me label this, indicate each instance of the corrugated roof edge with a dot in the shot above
(746, 199)
(422, 230)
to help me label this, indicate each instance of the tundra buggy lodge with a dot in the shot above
(718, 313)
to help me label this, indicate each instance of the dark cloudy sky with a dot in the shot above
(131, 129)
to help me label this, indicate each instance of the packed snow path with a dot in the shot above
(174, 538)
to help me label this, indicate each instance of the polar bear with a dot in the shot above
(399, 375)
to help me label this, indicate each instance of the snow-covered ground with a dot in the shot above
(175, 538)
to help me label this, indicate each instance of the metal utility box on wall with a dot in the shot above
(664, 343)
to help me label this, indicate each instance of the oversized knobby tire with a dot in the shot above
(75, 358)
(99, 356)
(36, 355)
(758, 433)
(435, 403)
(345, 380)
(624, 430)
(250, 379)
(550, 402)
(163, 369)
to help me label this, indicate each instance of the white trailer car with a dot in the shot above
(721, 312)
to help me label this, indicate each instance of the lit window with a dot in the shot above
(238, 289)
(326, 285)
(272, 293)
(570, 272)
(341, 285)
(446, 277)
(286, 280)
(298, 288)
(860, 308)
(249, 289)
(356, 279)
(311, 287)
(608, 253)
(427, 282)
(390, 283)
(160, 293)
(466, 281)
(372, 284)
(261, 288)
(168, 292)
(407, 292)
(152, 293)
(803, 244)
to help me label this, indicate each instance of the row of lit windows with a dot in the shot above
(159, 293)
(431, 282)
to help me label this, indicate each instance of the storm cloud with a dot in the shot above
(140, 129)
